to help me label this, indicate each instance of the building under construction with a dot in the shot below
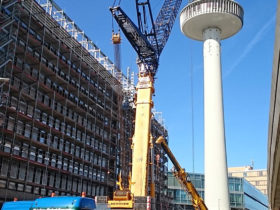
(65, 120)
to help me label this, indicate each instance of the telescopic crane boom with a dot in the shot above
(182, 176)
(148, 40)
(148, 44)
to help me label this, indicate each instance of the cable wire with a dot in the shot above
(192, 103)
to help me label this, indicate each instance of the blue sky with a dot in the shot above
(246, 65)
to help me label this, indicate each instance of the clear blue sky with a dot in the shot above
(247, 65)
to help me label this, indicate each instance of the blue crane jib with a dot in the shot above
(145, 51)
(148, 45)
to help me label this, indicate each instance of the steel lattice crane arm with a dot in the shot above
(164, 23)
(148, 46)
(145, 51)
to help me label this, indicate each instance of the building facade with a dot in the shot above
(63, 124)
(273, 152)
(257, 178)
(243, 195)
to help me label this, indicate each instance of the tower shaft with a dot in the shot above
(216, 183)
(211, 21)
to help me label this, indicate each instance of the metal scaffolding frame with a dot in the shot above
(67, 115)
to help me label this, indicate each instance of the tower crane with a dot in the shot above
(148, 40)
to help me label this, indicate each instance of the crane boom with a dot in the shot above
(182, 176)
(148, 44)
(144, 49)
(164, 23)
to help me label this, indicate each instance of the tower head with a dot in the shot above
(198, 15)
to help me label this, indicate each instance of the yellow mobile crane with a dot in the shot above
(148, 42)
(182, 176)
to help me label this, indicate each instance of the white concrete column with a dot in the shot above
(216, 178)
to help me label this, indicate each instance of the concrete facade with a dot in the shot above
(273, 137)
(257, 178)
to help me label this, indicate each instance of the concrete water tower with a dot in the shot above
(211, 21)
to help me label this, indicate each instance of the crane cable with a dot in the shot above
(192, 102)
(114, 3)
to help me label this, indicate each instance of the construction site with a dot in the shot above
(74, 123)
(66, 112)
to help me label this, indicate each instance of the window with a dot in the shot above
(14, 169)
(57, 124)
(87, 155)
(82, 153)
(46, 158)
(37, 114)
(61, 144)
(71, 166)
(30, 110)
(73, 132)
(68, 130)
(11, 123)
(50, 121)
(22, 171)
(44, 118)
(76, 166)
(34, 133)
(22, 107)
(51, 179)
(59, 162)
(32, 153)
(40, 156)
(53, 160)
(7, 145)
(38, 175)
(47, 100)
(65, 164)
(62, 127)
(77, 152)
(72, 149)
(13, 102)
(32, 92)
(43, 136)
(55, 142)
(12, 185)
(67, 145)
(19, 129)
(81, 171)
(30, 174)
(63, 181)
(16, 148)
(86, 171)
(27, 130)
(24, 151)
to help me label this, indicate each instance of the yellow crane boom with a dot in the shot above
(141, 138)
(182, 176)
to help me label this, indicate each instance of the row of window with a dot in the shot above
(57, 161)
(24, 172)
(60, 125)
(58, 143)
(50, 65)
(48, 101)
(36, 94)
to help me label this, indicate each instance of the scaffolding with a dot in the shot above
(66, 114)
(61, 120)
